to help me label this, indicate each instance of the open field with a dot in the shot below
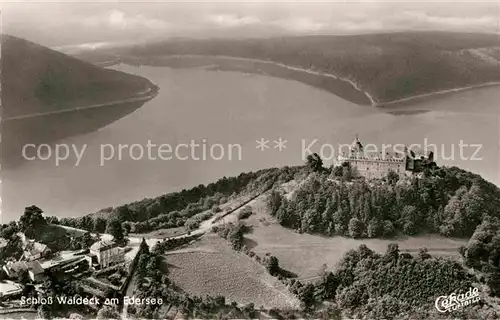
(213, 268)
(161, 233)
(305, 254)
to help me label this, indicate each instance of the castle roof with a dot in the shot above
(356, 145)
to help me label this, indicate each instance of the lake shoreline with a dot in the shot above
(420, 97)
(345, 88)
(355, 85)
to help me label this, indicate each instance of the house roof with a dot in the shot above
(3, 242)
(16, 267)
(19, 266)
(103, 245)
(35, 267)
(35, 248)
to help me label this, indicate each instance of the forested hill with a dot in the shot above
(37, 79)
(447, 201)
(388, 66)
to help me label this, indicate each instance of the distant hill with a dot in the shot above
(36, 79)
(47, 96)
(388, 67)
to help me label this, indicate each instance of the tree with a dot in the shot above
(114, 227)
(3, 275)
(337, 171)
(24, 277)
(106, 312)
(87, 240)
(388, 229)
(392, 253)
(272, 265)
(52, 220)
(355, 228)
(410, 219)
(423, 254)
(142, 265)
(100, 224)
(7, 231)
(143, 247)
(126, 227)
(44, 311)
(347, 173)
(249, 311)
(274, 201)
(31, 220)
(328, 285)
(314, 162)
(245, 212)
(374, 227)
(123, 213)
(306, 296)
(392, 177)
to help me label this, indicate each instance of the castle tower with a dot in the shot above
(356, 147)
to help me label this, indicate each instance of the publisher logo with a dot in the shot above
(456, 301)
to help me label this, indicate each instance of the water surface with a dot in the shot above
(234, 108)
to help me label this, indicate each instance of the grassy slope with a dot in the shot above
(268, 236)
(389, 66)
(211, 267)
(37, 79)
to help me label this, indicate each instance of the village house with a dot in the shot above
(108, 253)
(14, 269)
(33, 250)
(34, 269)
(3, 243)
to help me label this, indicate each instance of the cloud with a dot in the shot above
(104, 21)
(487, 22)
(231, 20)
(300, 24)
(367, 25)
(120, 20)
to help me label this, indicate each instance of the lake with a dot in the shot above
(227, 112)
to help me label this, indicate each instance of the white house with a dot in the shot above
(108, 253)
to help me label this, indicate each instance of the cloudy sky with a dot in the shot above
(77, 22)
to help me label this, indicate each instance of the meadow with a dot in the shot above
(306, 254)
(161, 233)
(211, 267)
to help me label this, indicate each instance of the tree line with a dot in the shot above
(177, 209)
(451, 202)
(482, 253)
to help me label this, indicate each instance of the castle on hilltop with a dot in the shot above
(378, 164)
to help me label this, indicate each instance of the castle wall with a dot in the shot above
(377, 169)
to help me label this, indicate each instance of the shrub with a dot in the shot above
(245, 212)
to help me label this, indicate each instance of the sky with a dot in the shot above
(93, 23)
